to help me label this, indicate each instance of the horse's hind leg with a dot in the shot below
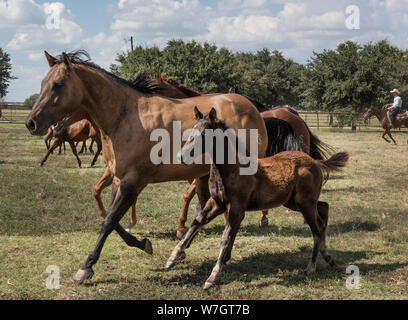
(235, 217)
(263, 220)
(310, 214)
(188, 196)
(389, 134)
(104, 182)
(98, 152)
(74, 151)
(323, 211)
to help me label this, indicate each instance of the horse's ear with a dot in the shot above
(51, 60)
(213, 114)
(66, 61)
(198, 114)
(158, 76)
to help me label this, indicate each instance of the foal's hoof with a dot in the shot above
(148, 248)
(207, 285)
(311, 268)
(264, 223)
(83, 274)
(180, 233)
(305, 226)
(169, 264)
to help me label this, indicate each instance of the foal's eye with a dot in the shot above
(57, 85)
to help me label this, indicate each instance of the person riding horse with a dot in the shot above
(395, 107)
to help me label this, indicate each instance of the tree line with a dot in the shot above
(351, 77)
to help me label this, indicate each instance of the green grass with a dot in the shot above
(48, 217)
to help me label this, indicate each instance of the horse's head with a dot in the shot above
(61, 94)
(196, 135)
(369, 113)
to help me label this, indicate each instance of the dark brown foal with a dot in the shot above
(291, 178)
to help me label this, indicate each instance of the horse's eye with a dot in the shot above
(57, 85)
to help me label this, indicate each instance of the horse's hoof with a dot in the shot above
(148, 246)
(311, 268)
(305, 226)
(264, 223)
(83, 274)
(169, 264)
(207, 285)
(128, 230)
(180, 233)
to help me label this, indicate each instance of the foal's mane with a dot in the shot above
(140, 83)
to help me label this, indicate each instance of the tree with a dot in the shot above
(31, 100)
(5, 72)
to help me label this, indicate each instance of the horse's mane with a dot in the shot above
(188, 91)
(140, 83)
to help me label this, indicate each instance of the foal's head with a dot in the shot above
(195, 144)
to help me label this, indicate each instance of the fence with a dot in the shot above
(352, 120)
(14, 113)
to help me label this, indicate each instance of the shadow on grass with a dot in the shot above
(261, 265)
(286, 231)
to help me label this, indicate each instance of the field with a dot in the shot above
(48, 217)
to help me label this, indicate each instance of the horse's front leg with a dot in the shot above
(389, 134)
(383, 136)
(235, 217)
(210, 211)
(122, 200)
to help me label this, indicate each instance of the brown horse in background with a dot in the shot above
(77, 132)
(290, 178)
(383, 118)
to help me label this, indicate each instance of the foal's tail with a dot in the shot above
(336, 162)
(281, 137)
(319, 150)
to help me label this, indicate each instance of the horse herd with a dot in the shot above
(81, 101)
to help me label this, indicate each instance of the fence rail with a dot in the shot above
(353, 120)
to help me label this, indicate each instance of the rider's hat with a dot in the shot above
(395, 91)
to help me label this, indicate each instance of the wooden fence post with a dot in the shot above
(317, 116)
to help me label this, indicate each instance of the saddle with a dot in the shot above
(402, 115)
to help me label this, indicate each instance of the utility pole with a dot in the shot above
(131, 43)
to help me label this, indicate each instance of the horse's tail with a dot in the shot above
(319, 150)
(258, 105)
(281, 137)
(335, 163)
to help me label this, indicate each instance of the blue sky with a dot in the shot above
(103, 27)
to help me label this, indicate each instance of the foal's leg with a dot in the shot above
(323, 211)
(74, 151)
(235, 217)
(90, 147)
(123, 198)
(310, 214)
(188, 196)
(83, 149)
(210, 211)
(56, 143)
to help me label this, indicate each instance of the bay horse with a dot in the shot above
(290, 178)
(310, 143)
(77, 132)
(127, 117)
(383, 118)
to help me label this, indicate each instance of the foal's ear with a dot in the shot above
(51, 60)
(213, 114)
(66, 61)
(198, 114)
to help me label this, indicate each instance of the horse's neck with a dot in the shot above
(380, 114)
(106, 100)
